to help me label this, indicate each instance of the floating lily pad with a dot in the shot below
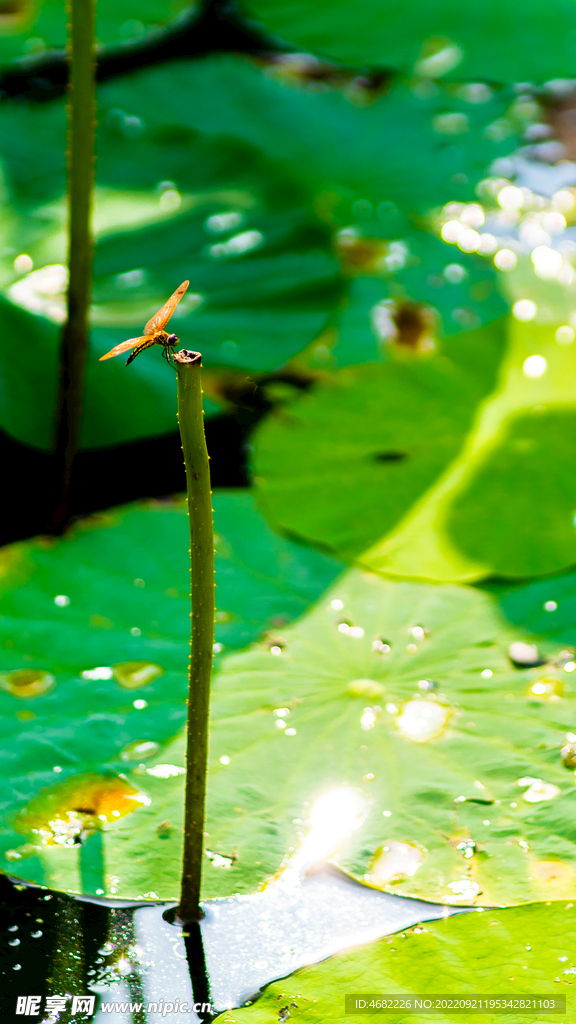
(506, 504)
(434, 38)
(388, 728)
(371, 439)
(528, 950)
(94, 632)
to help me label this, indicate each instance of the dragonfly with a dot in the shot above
(154, 333)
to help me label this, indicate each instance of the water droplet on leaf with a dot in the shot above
(133, 674)
(396, 860)
(423, 720)
(546, 688)
(538, 790)
(139, 750)
(462, 891)
(523, 654)
(27, 682)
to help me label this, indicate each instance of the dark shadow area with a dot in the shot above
(49, 943)
(215, 27)
(151, 468)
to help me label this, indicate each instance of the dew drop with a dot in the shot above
(537, 790)
(368, 719)
(14, 942)
(337, 605)
(565, 335)
(418, 632)
(523, 654)
(27, 682)
(422, 720)
(100, 672)
(36, 935)
(568, 753)
(396, 860)
(23, 264)
(427, 685)
(139, 750)
(534, 366)
(546, 688)
(356, 631)
(462, 891)
(467, 848)
(133, 674)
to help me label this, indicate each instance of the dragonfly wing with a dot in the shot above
(161, 318)
(123, 347)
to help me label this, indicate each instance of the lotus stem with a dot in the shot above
(191, 421)
(81, 129)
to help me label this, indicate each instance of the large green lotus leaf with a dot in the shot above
(491, 42)
(369, 440)
(38, 25)
(506, 504)
(125, 577)
(545, 607)
(319, 138)
(528, 950)
(380, 696)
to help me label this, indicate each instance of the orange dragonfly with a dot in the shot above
(154, 333)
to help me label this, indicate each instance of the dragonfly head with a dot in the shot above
(172, 339)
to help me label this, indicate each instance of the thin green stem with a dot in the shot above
(191, 420)
(81, 163)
